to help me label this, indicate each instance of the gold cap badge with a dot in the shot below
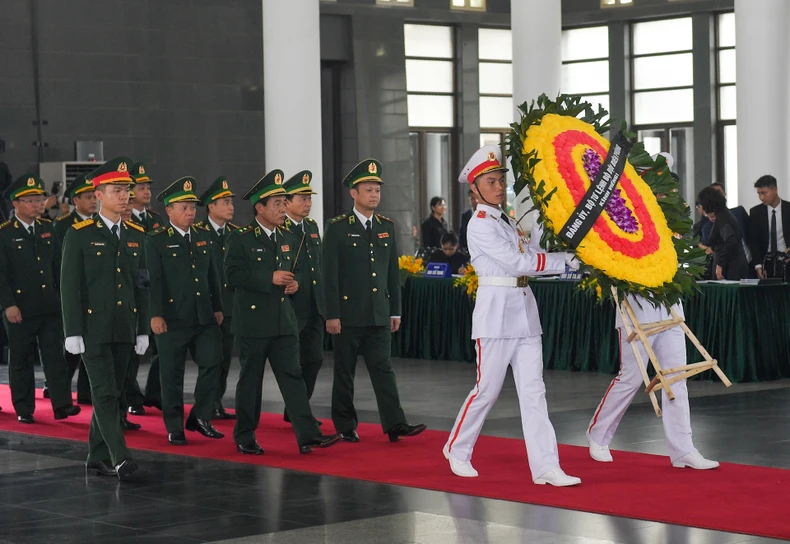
(224, 184)
(142, 169)
(31, 182)
(491, 156)
(122, 167)
(305, 179)
(372, 168)
(278, 179)
(187, 185)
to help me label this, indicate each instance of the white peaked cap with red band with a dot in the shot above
(670, 160)
(486, 159)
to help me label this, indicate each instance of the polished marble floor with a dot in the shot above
(45, 496)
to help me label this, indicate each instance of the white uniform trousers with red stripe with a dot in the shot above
(670, 348)
(494, 355)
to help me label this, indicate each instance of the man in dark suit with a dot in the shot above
(770, 222)
(465, 217)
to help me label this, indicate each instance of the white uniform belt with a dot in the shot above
(503, 281)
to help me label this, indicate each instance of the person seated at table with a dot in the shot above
(450, 254)
(729, 260)
(435, 225)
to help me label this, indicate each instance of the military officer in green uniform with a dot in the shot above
(308, 301)
(186, 310)
(30, 300)
(362, 291)
(218, 200)
(83, 196)
(105, 310)
(149, 220)
(258, 267)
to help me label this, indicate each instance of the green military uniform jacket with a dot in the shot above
(308, 301)
(185, 287)
(361, 276)
(218, 248)
(260, 308)
(29, 268)
(103, 282)
(152, 220)
(63, 223)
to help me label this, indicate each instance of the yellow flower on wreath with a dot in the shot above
(645, 257)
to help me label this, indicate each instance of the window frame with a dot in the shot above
(721, 124)
(484, 129)
(632, 98)
(608, 59)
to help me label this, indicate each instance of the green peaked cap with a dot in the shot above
(218, 189)
(113, 172)
(181, 190)
(367, 170)
(139, 174)
(299, 184)
(269, 185)
(78, 186)
(27, 185)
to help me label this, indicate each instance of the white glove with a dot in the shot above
(75, 345)
(571, 261)
(141, 344)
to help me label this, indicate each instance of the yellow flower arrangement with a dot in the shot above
(468, 281)
(410, 265)
(647, 256)
(640, 243)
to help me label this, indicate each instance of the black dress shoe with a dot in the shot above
(46, 392)
(26, 419)
(349, 436)
(404, 429)
(320, 441)
(153, 404)
(102, 468)
(220, 413)
(177, 439)
(85, 401)
(203, 426)
(125, 468)
(129, 426)
(137, 410)
(250, 448)
(66, 411)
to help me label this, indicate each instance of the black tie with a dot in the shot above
(274, 240)
(298, 229)
(114, 230)
(369, 230)
(774, 244)
(221, 232)
(505, 219)
(142, 217)
(30, 230)
(186, 237)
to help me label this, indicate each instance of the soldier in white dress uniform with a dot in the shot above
(505, 325)
(670, 349)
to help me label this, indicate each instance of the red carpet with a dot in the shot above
(737, 498)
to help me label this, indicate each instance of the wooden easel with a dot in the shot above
(640, 332)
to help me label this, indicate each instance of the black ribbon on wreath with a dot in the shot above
(597, 196)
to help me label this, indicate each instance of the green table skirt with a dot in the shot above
(746, 328)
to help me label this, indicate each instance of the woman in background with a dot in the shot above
(435, 226)
(729, 260)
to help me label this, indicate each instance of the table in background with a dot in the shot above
(745, 327)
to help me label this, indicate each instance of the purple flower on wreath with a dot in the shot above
(616, 207)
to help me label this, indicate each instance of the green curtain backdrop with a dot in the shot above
(746, 328)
